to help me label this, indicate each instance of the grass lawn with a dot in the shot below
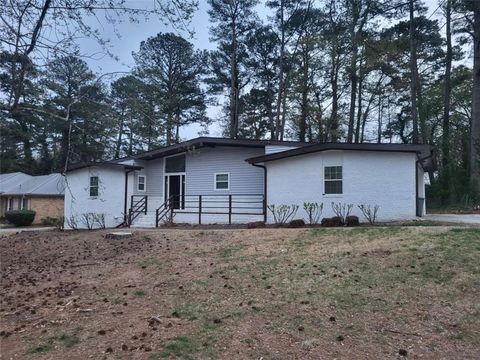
(384, 292)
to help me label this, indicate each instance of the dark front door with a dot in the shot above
(175, 189)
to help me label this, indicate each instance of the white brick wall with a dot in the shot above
(386, 179)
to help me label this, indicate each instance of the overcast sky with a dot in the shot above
(132, 34)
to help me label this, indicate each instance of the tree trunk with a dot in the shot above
(302, 126)
(234, 85)
(353, 84)
(446, 101)
(334, 83)
(475, 130)
(359, 107)
(413, 73)
(280, 74)
(120, 136)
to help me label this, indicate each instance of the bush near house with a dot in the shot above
(20, 217)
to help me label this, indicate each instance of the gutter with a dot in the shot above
(264, 190)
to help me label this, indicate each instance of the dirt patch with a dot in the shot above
(245, 293)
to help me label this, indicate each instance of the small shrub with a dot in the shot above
(255, 225)
(370, 213)
(332, 222)
(20, 217)
(99, 219)
(72, 222)
(58, 222)
(314, 211)
(282, 213)
(342, 210)
(297, 223)
(352, 220)
(88, 219)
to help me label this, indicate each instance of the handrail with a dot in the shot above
(137, 207)
(204, 205)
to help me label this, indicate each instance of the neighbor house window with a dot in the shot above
(222, 181)
(333, 180)
(24, 204)
(141, 183)
(93, 186)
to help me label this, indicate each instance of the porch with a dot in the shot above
(150, 211)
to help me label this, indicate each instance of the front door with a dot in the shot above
(175, 189)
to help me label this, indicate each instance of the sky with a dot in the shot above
(131, 34)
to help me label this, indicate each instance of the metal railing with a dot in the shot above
(216, 204)
(139, 205)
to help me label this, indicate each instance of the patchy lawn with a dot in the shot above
(265, 293)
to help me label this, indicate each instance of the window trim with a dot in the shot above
(325, 180)
(215, 181)
(9, 204)
(90, 186)
(144, 182)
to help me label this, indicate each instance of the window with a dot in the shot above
(175, 164)
(9, 204)
(333, 180)
(24, 204)
(93, 186)
(141, 181)
(222, 181)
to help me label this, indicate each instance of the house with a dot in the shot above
(216, 180)
(43, 194)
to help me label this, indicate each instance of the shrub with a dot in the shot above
(72, 222)
(314, 211)
(99, 219)
(255, 225)
(370, 213)
(20, 217)
(53, 221)
(88, 219)
(332, 222)
(282, 213)
(342, 210)
(297, 223)
(352, 220)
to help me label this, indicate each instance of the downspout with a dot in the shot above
(416, 181)
(264, 190)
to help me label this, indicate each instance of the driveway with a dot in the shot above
(473, 219)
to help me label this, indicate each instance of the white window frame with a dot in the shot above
(325, 180)
(144, 182)
(90, 186)
(215, 181)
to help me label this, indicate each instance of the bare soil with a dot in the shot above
(363, 293)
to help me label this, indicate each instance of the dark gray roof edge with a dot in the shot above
(420, 149)
(83, 165)
(208, 141)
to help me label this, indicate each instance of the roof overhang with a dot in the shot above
(424, 152)
(202, 142)
(84, 165)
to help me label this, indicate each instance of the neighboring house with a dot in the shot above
(215, 180)
(44, 194)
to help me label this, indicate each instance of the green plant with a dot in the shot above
(314, 211)
(20, 217)
(282, 213)
(139, 293)
(58, 222)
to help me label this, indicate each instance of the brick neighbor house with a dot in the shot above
(44, 194)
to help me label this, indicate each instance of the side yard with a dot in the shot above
(390, 292)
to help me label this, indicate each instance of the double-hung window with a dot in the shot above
(24, 204)
(141, 182)
(222, 181)
(93, 186)
(333, 178)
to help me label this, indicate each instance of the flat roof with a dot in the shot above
(423, 151)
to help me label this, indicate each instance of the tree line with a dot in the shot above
(313, 71)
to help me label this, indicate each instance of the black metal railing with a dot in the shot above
(216, 204)
(139, 205)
